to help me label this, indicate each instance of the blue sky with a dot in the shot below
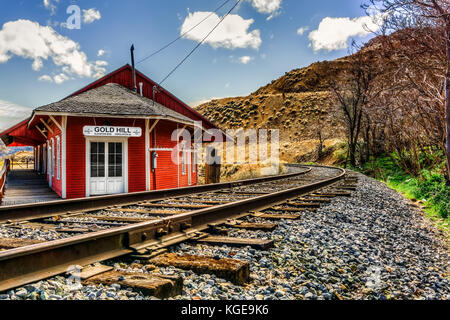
(42, 61)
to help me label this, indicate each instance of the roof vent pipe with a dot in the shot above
(134, 69)
(140, 88)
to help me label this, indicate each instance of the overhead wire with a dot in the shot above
(183, 34)
(199, 44)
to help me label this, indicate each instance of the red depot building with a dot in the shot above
(108, 139)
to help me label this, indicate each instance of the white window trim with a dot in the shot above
(53, 157)
(183, 160)
(58, 158)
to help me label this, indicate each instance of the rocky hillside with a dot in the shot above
(298, 104)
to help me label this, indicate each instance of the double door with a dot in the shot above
(106, 167)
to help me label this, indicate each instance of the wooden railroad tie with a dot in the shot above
(278, 208)
(302, 204)
(178, 206)
(323, 200)
(118, 219)
(274, 216)
(251, 226)
(210, 202)
(260, 244)
(332, 194)
(233, 270)
(148, 212)
(157, 285)
(11, 243)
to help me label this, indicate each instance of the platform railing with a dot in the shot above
(3, 172)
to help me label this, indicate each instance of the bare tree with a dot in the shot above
(352, 95)
(429, 24)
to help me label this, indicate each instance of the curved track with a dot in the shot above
(101, 228)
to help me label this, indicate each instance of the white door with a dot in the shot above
(106, 168)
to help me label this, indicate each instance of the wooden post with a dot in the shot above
(212, 169)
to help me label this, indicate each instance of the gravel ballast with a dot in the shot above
(373, 245)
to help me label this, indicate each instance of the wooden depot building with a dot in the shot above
(108, 139)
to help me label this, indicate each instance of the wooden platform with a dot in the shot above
(26, 186)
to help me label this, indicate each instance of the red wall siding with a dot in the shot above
(76, 154)
(56, 184)
(165, 176)
(136, 158)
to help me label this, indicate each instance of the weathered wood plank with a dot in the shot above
(303, 204)
(274, 216)
(147, 212)
(117, 219)
(92, 271)
(157, 285)
(177, 206)
(251, 226)
(11, 243)
(238, 242)
(236, 271)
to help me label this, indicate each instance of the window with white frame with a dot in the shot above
(58, 157)
(53, 157)
(183, 159)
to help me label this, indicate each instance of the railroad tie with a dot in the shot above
(149, 212)
(233, 270)
(178, 206)
(251, 226)
(150, 284)
(260, 244)
(274, 216)
(11, 243)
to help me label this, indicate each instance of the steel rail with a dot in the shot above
(48, 209)
(28, 264)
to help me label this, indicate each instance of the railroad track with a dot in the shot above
(139, 227)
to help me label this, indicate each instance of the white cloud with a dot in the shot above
(266, 6)
(91, 15)
(334, 33)
(232, 33)
(245, 59)
(45, 78)
(60, 78)
(50, 5)
(11, 113)
(302, 30)
(30, 40)
(271, 7)
(101, 52)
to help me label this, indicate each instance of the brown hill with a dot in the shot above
(299, 104)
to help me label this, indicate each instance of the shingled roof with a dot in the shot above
(111, 99)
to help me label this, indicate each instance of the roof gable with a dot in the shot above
(123, 76)
(111, 99)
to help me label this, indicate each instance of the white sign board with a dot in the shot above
(108, 131)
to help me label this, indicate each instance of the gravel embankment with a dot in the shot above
(374, 245)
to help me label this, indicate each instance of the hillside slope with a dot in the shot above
(298, 104)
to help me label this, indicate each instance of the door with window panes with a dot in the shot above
(106, 168)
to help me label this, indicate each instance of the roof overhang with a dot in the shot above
(19, 135)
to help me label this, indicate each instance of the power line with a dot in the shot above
(182, 35)
(200, 43)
